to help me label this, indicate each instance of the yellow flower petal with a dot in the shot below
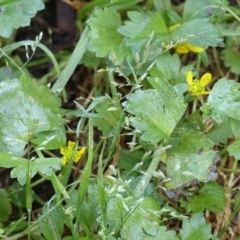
(62, 150)
(205, 79)
(79, 154)
(194, 49)
(181, 49)
(189, 78)
(71, 144)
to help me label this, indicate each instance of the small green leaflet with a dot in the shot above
(104, 37)
(27, 110)
(156, 112)
(211, 197)
(232, 59)
(224, 99)
(21, 166)
(16, 14)
(195, 228)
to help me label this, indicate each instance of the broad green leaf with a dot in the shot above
(184, 168)
(156, 112)
(139, 30)
(223, 100)
(109, 112)
(5, 206)
(234, 149)
(51, 222)
(22, 167)
(211, 197)
(144, 224)
(195, 228)
(220, 132)
(104, 37)
(16, 14)
(26, 110)
(197, 32)
(232, 59)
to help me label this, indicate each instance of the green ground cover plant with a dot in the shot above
(156, 143)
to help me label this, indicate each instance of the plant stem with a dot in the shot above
(72, 63)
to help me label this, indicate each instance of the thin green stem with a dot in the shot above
(143, 183)
(72, 62)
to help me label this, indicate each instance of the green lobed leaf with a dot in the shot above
(16, 14)
(144, 224)
(197, 32)
(26, 110)
(195, 228)
(211, 197)
(5, 206)
(223, 100)
(156, 112)
(141, 27)
(22, 167)
(232, 59)
(103, 35)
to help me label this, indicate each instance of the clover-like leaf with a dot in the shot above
(223, 100)
(17, 13)
(156, 112)
(195, 228)
(211, 197)
(26, 110)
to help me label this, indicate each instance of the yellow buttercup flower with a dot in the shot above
(69, 150)
(185, 47)
(197, 87)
